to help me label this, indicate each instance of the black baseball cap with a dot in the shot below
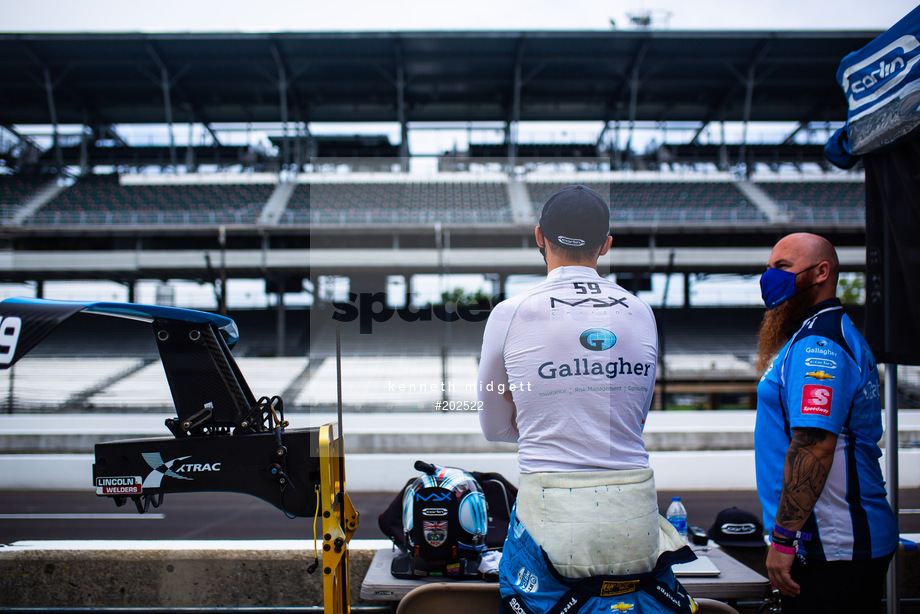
(737, 527)
(577, 217)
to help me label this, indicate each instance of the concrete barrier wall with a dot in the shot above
(689, 450)
(212, 574)
(716, 470)
(393, 433)
(270, 573)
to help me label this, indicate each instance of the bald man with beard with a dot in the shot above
(815, 441)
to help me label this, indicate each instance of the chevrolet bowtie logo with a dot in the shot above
(819, 375)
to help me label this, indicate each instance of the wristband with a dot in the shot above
(792, 534)
(788, 542)
(783, 549)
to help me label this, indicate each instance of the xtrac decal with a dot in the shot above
(174, 468)
(10, 327)
(160, 469)
(817, 400)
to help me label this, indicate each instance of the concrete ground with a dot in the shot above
(79, 515)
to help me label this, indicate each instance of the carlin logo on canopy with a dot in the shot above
(435, 532)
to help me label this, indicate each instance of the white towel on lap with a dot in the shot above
(596, 522)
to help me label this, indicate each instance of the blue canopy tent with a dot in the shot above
(881, 82)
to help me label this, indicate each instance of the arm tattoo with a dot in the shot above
(804, 476)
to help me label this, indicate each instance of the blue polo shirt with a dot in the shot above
(826, 377)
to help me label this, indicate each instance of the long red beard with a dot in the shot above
(778, 325)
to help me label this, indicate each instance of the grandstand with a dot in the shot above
(818, 200)
(707, 354)
(682, 200)
(397, 199)
(303, 205)
(105, 200)
(639, 200)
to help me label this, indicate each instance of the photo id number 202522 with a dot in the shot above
(458, 405)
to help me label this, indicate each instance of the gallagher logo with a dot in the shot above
(597, 339)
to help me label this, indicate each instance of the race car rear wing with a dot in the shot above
(224, 438)
(208, 390)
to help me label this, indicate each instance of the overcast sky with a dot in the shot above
(401, 15)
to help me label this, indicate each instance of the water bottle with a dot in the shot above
(677, 516)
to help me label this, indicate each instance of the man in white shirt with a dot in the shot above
(567, 372)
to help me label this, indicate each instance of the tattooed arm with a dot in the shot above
(808, 463)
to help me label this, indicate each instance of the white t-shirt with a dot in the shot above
(579, 355)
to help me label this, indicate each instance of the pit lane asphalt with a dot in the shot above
(81, 515)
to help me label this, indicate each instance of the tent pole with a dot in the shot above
(891, 463)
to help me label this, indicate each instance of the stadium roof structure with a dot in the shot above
(104, 80)
(658, 76)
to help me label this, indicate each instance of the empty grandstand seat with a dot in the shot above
(101, 199)
(665, 201)
(420, 202)
(16, 189)
(819, 201)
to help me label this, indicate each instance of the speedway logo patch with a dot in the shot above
(817, 399)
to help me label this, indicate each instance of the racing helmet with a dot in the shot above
(445, 520)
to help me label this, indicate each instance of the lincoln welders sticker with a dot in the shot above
(125, 485)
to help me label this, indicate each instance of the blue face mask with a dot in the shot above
(777, 286)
